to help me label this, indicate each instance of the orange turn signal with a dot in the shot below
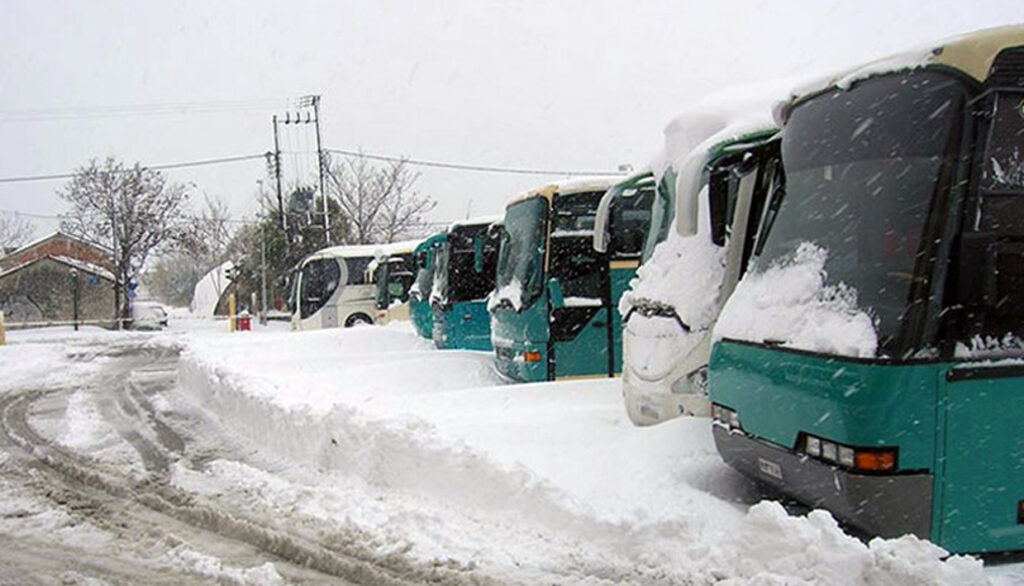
(876, 461)
(531, 356)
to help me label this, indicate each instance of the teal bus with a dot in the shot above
(871, 362)
(420, 312)
(551, 311)
(463, 278)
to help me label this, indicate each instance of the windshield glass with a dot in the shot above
(380, 279)
(573, 260)
(630, 217)
(424, 276)
(471, 256)
(521, 260)
(439, 292)
(662, 213)
(319, 282)
(862, 167)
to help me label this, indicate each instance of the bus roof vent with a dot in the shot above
(1008, 69)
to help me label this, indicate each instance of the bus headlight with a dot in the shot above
(854, 458)
(725, 416)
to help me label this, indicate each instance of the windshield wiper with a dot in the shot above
(649, 308)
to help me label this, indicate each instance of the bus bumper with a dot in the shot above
(883, 505)
(511, 363)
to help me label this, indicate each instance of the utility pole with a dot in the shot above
(313, 101)
(320, 166)
(277, 178)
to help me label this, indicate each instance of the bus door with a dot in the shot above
(982, 503)
(579, 315)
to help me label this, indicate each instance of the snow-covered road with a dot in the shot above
(366, 455)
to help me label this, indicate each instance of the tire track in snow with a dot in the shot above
(109, 497)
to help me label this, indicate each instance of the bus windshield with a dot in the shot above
(521, 260)
(862, 169)
(424, 276)
(441, 268)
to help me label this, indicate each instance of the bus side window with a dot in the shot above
(630, 220)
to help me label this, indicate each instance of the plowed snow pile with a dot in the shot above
(426, 453)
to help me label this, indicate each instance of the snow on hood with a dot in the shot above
(789, 303)
(513, 292)
(684, 273)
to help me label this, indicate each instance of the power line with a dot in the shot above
(418, 162)
(199, 163)
(179, 108)
(468, 167)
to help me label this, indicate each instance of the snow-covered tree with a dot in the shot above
(14, 232)
(134, 209)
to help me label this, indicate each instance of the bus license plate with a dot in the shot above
(770, 468)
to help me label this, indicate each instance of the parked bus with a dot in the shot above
(550, 312)
(330, 288)
(870, 362)
(419, 294)
(668, 314)
(463, 278)
(392, 276)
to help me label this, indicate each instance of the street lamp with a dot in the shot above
(74, 296)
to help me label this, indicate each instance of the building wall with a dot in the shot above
(59, 245)
(43, 291)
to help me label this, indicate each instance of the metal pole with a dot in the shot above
(74, 298)
(320, 160)
(263, 276)
(118, 286)
(277, 177)
(3, 329)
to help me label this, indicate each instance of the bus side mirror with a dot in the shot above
(602, 221)
(689, 185)
(555, 294)
(977, 279)
(478, 254)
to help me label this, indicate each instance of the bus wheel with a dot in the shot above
(358, 319)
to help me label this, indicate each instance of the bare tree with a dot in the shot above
(133, 208)
(203, 247)
(378, 202)
(14, 232)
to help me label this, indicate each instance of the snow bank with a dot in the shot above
(813, 550)
(796, 309)
(426, 455)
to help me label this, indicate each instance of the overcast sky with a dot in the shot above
(551, 85)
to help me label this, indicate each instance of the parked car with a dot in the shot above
(148, 315)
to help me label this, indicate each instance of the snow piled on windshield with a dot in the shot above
(796, 309)
(427, 455)
(511, 292)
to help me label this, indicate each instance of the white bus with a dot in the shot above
(330, 288)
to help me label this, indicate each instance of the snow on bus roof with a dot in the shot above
(970, 53)
(567, 186)
(723, 116)
(372, 251)
(477, 221)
